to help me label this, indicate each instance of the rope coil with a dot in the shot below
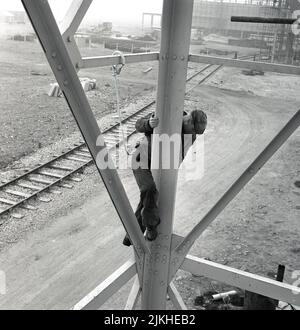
(117, 68)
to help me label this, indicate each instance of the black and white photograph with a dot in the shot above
(150, 158)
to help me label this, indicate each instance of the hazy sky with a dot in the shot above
(103, 10)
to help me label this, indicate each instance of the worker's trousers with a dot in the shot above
(147, 211)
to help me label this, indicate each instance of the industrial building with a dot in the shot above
(215, 16)
(13, 17)
(278, 39)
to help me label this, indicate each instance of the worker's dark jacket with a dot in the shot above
(144, 146)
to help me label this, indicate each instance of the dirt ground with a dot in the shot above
(55, 256)
(30, 119)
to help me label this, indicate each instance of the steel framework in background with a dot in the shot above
(152, 16)
(155, 263)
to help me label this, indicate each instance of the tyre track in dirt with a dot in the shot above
(55, 267)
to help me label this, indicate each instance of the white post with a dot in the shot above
(175, 41)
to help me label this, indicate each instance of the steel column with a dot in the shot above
(48, 33)
(175, 40)
(183, 248)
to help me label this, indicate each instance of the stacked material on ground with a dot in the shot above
(87, 85)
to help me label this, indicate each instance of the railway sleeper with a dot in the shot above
(17, 193)
(65, 185)
(43, 181)
(61, 167)
(77, 153)
(76, 159)
(28, 186)
(52, 175)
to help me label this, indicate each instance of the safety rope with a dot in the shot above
(116, 72)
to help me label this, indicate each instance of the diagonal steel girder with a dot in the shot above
(45, 26)
(70, 25)
(180, 251)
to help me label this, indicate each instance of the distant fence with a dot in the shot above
(132, 46)
(251, 43)
(19, 37)
(126, 47)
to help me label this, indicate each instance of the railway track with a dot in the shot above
(63, 170)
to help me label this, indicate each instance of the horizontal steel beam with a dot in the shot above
(107, 288)
(259, 66)
(268, 20)
(244, 280)
(99, 61)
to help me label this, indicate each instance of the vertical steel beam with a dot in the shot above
(49, 35)
(152, 20)
(173, 60)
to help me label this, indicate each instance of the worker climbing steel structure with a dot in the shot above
(155, 263)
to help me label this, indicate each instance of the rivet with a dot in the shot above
(182, 58)
(53, 54)
(162, 283)
(69, 39)
(174, 57)
(59, 67)
(156, 272)
(66, 82)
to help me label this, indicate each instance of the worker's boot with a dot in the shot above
(151, 218)
(151, 233)
(127, 241)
